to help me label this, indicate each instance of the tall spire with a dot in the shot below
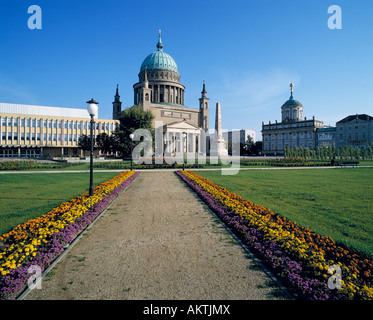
(117, 96)
(204, 90)
(117, 105)
(291, 90)
(160, 44)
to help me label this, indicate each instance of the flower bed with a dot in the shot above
(298, 256)
(39, 241)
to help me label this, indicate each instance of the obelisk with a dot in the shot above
(219, 147)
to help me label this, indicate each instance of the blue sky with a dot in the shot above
(248, 52)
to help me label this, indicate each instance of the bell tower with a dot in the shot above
(204, 109)
(146, 92)
(117, 105)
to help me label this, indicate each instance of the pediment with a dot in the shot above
(181, 125)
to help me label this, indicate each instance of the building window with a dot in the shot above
(22, 136)
(45, 123)
(38, 123)
(3, 121)
(34, 123)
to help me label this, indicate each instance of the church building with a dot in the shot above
(159, 90)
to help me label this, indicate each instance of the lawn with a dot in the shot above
(333, 202)
(26, 196)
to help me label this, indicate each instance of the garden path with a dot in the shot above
(157, 241)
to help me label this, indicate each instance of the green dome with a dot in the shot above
(292, 102)
(159, 60)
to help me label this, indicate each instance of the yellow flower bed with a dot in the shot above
(26, 238)
(313, 252)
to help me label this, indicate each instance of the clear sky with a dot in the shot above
(247, 51)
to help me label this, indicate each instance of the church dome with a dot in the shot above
(159, 60)
(292, 102)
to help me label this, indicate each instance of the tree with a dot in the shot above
(247, 147)
(131, 119)
(106, 143)
(287, 152)
(369, 152)
(356, 153)
(307, 153)
(84, 143)
(364, 153)
(257, 148)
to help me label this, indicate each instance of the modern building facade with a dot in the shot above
(39, 131)
(159, 90)
(244, 133)
(293, 131)
(354, 130)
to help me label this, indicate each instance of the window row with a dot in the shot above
(37, 123)
(37, 136)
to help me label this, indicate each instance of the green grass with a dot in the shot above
(27, 196)
(333, 202)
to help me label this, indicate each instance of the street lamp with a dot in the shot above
(92, 109)
(184, 136)
(131, 137)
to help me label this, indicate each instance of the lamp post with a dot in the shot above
(184, 136)
(131, 137)
(92, 109)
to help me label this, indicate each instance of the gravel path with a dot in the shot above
(157, 241)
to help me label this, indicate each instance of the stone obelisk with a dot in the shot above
(219, 147)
